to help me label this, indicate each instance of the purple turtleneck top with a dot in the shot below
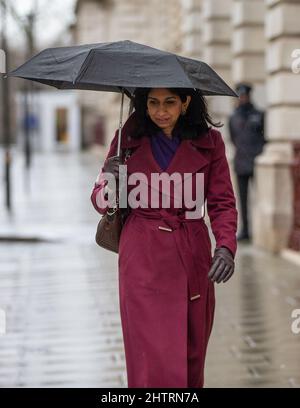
(164, 148)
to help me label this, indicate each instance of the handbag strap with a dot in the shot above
(127, 154)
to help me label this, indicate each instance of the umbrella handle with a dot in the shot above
(120, 124)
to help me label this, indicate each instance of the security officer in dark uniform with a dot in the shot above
(246, 127)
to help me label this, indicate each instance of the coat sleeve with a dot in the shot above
(221, 201)
(98, 197)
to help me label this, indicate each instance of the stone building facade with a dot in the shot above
(243, 40)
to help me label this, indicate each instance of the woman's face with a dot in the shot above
(164, 108)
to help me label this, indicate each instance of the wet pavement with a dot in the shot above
(60, 296)
(252, 344)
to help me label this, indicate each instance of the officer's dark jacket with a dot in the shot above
(246, 127)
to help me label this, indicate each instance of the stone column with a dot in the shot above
(217, 31)
(192, 28)
(248, 46)
(216, 40)
(273, 175)
(248, 64)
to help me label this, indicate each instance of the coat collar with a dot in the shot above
(190, 157)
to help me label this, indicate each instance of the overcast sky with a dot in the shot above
(53, 17)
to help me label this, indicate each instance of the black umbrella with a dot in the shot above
(120, 66)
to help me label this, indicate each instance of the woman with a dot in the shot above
(166, 270)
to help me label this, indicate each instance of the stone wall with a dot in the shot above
(274, 182)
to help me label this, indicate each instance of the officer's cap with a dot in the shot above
(243, 89)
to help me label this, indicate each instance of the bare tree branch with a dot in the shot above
(13, 12)
(38, 15)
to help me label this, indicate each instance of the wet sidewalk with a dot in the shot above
(252, 344)
(61, 295)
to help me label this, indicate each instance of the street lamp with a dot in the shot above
(5, 107)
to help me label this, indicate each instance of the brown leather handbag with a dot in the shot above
(110, 225)
(109, 230)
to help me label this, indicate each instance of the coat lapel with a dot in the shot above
(141, 160)
(190, 157)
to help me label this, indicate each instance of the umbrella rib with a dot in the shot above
(84, 66)
(127, 93)
(185, 73)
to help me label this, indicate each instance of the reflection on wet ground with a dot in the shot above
(253, 344)
(61, 298)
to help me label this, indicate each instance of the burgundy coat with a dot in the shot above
(166, 299)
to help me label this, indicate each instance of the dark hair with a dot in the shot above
(191, 126)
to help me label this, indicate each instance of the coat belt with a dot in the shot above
(176, 222)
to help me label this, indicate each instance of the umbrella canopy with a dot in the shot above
(121, 64)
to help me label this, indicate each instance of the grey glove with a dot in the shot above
(111, 165)
(222, 265)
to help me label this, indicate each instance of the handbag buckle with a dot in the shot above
(112, 211)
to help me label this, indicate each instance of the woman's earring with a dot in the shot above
(183, 112)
